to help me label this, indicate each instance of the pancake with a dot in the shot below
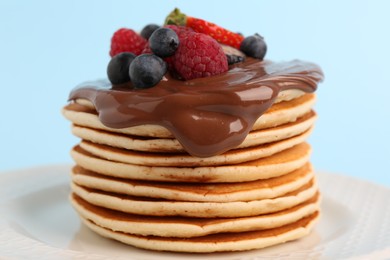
(168, 145)
(279, 114)
(158, 207)
(285, 112)
(182, 160)
(215, 242)
(189, 227)
(268, 167)
(206, 192)
(203, 165)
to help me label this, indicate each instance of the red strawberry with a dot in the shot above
(219, 33)
(126, 40)
(198, 56)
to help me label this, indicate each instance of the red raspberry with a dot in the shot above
(126, 40)
(181, 31)
(146, 49)
(198, 56)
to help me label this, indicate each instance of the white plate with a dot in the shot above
(37, 222)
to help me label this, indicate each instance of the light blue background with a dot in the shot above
(48, 47)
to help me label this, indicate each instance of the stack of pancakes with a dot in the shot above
(137, 185)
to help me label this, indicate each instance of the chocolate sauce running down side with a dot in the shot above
(208, 115)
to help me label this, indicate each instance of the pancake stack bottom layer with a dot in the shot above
(147, 192)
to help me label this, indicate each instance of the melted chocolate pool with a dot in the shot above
(207, 115)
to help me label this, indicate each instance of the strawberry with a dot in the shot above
(219, 33)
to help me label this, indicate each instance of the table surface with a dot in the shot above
(47, 48)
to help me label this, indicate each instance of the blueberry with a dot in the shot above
(147, 70)
(163, 42)
(148, 30)
(118, 67)
(254, 46)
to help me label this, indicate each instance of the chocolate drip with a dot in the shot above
(207, 115)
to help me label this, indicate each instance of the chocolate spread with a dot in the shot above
(207, 115)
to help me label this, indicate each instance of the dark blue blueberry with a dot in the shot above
(148, 30)
(147, 70)
(254, 46)
(164, 42)
(118, 68)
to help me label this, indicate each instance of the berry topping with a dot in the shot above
(219, 33)
(147, 70)
(181, 31)
(148, 30)
(163, 42)
(118, 68)
(146, 49)
(254, 46)
(199, 55)
(126, 40)
(185, 46)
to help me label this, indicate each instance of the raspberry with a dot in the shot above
(198, 56)
(126, 40)
(181, 31)
(146, 49)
